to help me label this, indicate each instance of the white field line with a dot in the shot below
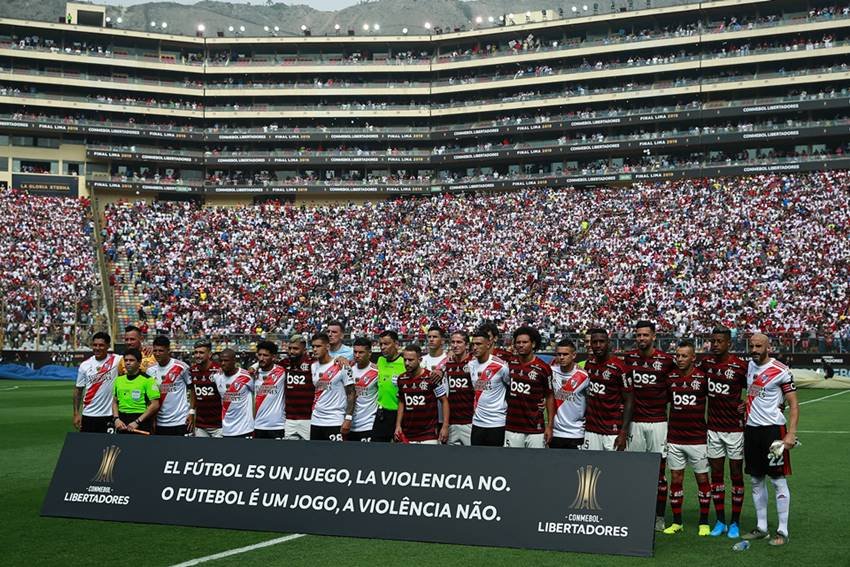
(819, 432)
(824, 397)
(239, 550)
(9, 389)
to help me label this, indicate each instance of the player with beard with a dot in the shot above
(365, 374)
(207, 417)
(461, 391)
(609, 397)
(649, 369)
(416, 421)
(269, 394)
(529, 393)
(298, 400)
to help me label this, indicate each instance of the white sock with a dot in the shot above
(760, 502)
(783, 502)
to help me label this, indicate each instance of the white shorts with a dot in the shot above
(729, 444)
(679, 456)
(460, 434)
(428, 442)
(207, 432)
(598, 442)
(297, 429)
(524, 440)
(647, 437)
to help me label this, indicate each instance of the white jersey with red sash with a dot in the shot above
(97, 377)
(173, 380)
(237, 408)
(766, 388)
(366, 406)
(329, 402)
(570, 402)
(270, 387)
(490, 379)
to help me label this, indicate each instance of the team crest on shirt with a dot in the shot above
(532, 375)
(695, 384)
(606, 375)
(305, 367)
(729, 373)
(657, 365)
(466, 368)
(423, 385)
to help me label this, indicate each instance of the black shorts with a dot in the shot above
(757, 458)
(128, 418)
(269, 433)
(171, 430)
(487, 436)
(383, 429)
(321, 433)
(99, 424)
(566, 443)
(364, 436)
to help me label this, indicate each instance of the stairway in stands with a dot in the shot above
(126, 299)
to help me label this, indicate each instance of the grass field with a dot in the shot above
(34, 418)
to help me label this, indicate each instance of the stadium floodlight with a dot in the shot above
(574, 9)
(303, 27)
(478, 19)
(277, 29)
(336, 27)
(427, 25)
(120, 20)
(584, 7)
(404, 31)
(202, 28)
(108, 20)
(376, 27)
(242, 29)
(528, 14)
(266, 29)
(230, 29)
(365, 27)
(153, 24)
(163, 25)
(490, 19)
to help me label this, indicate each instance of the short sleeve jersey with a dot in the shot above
(461, 392)
(766, 388)
(420, 397)
(727, 380)
(237, 404)
(649, 380)
(687, 395)
(388, 373)
(490, 379)
(135, 394)
(173, 380)
(207, 398)
(269, 396)
(366, 406)
(569, 391)
(299, 389)
(609, 380)
(97, 377)
(329, 402)
(529, 387)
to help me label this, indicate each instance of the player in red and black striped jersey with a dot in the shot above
(300, 391)
(608, 414)
(461, 390)
(686, 435)
(727, 379)
(207, 417)
(649, 369)
(530, 391)
(416, 421)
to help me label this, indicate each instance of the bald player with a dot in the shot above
(769, 386)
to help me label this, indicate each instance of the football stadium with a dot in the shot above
(331, 234)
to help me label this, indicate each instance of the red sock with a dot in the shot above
(677, 496)
(704, 493)
(737, 498)
(661, 501)
(718, 494)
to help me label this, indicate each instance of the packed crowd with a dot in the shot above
(47, 270)
(768, 252)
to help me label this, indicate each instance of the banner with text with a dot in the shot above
(565, 500)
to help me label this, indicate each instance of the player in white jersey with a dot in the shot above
(270, 389)
(490, 378)
(767, 441)
(95, 379)
(236, 388)
(568, 385)
(365, 375)
(333, 406)
(177, 400)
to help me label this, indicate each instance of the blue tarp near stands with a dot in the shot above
(47, 372)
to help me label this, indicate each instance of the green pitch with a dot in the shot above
(34, 418)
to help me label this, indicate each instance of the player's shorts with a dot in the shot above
(757, 458)
(680, 456)
(298, 429)
(362, 436)
(598, 442)
(325, 433)
(646, 437)
(460, 434)
(207, 432)
(566, 443)
(171, 430)
(97, 424)
(129, 418)
(524, 440)
(383, 429)
(426, 442)
(269, 433)
(487, 436)
(726, 444)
